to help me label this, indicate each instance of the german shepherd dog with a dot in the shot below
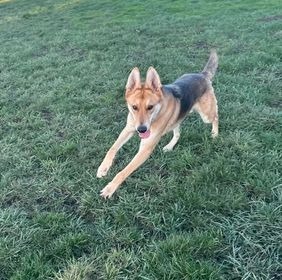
(155, 109)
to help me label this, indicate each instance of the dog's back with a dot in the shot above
(187, 89)
(190, 87)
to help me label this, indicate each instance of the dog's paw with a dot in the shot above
(108, 191)
(167, 148)
(214, 134)
(102, 170)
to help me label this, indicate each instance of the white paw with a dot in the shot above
(214, 134)
(102, 171)
(108, 191)
(167, 148)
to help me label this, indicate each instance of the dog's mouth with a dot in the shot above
(144, 135)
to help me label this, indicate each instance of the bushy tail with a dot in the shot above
(211, 66)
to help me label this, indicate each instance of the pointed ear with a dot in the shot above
(134, 80)
(153, 80)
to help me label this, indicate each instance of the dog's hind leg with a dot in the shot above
(207, 108)
(174, 140)
(215, 127)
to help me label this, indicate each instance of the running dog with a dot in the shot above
(155, 109)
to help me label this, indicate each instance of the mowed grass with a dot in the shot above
(210, 209)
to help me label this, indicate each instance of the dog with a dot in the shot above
(155, 109)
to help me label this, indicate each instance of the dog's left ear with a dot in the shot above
(153, 80)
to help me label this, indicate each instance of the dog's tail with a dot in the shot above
(211, 66)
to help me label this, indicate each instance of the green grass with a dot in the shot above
(207, 210)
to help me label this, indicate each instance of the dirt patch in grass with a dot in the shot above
(270, 18)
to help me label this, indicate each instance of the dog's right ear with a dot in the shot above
(153, 80)
(134, 80)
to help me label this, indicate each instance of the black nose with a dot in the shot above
(141, 128)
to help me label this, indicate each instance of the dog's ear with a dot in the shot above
(153, 80)
(134, 80)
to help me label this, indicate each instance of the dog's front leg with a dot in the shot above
(124, 136)
(146, 148)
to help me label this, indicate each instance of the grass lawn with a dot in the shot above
(210, 209)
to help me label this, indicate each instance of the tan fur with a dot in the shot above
(141, 96)
(207, 108)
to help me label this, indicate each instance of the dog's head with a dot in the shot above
(144, 99)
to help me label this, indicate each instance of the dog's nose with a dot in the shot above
(141, 128)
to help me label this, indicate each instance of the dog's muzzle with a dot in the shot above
(143, 132)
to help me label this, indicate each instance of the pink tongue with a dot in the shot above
(144, 135)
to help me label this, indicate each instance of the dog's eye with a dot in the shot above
(134, 107)
(150, 107)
